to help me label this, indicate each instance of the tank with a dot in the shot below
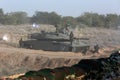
(62, 40)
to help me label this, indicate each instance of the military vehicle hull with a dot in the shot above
(56, 42)
(54, 46)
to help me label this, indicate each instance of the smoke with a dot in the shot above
(6, 37)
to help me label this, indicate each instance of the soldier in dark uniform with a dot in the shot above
(57, 30)
(96, 48)
(21, 43)
(71, 37)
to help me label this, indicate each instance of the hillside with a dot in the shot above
(15, 60)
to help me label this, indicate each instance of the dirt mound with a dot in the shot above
(14, 60)
(18, 60)
(101, 68)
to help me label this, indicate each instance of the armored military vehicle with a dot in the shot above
(62, 40)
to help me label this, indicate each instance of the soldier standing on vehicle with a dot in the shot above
(67, 29)
(71, 37)
(57, 30)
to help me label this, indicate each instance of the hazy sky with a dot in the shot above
(62, 7)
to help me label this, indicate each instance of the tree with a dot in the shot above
(68, 20)
(9, 19)
(86, 19)
(20, 17)
(16, 18)
(98, 20)
(54, 18)
(1, 16)
(112, 20)
(46, 18)
(92, 19)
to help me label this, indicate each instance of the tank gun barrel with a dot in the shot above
(58, 40)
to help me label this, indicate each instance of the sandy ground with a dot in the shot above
(18, 60)
(15, 60)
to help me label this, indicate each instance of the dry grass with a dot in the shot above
(13, 76)
(103, 37)
(16, 60)
(18, 31)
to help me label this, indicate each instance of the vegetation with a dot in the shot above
(46, 18)
(87, 19)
